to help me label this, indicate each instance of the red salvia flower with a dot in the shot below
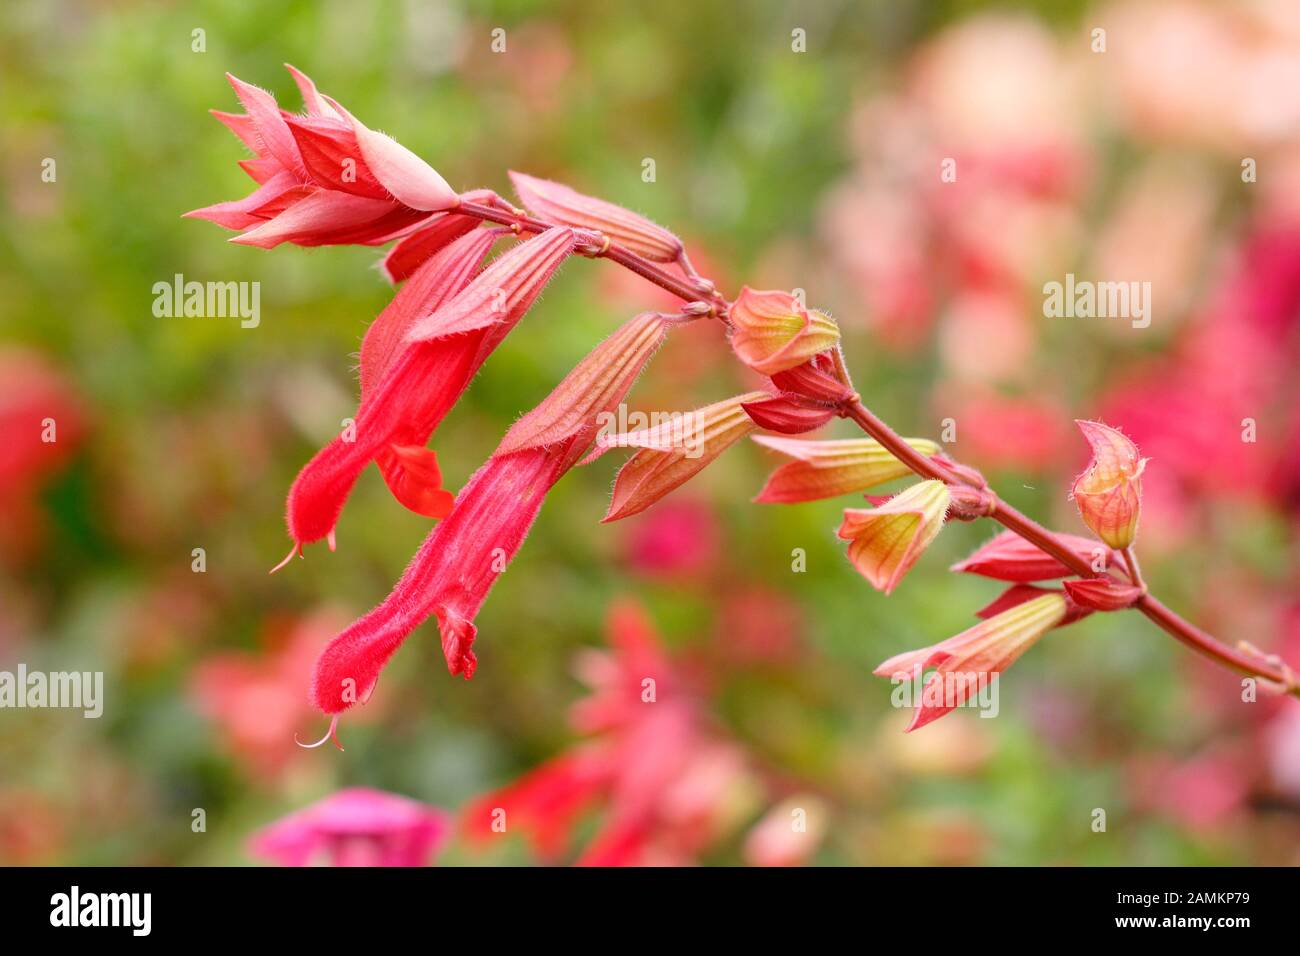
(323, 178)
(417, 360)
(452, 573)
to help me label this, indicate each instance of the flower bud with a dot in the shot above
(1103, 593)
(826, 469)
(989, 647)
(1109, 492)
(1009, 557)
(885, 542)
(672, 453)
(969, 504)
(772, 332)
(556, 202)
(787, 414)
(822, 378)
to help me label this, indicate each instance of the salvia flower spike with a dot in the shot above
(1109, 492)
(323, 177)
(988, 648)
(772, 332)
(885, 542)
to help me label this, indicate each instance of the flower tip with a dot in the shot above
(331, 541)
(332, 735)
(295, 549)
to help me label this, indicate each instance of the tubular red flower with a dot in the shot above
(452, 573)
(325, 178)
(415, 384)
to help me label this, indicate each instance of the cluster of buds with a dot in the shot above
(887, 540)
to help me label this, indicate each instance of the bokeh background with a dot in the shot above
(781, 169)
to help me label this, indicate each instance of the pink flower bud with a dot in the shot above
(826, 469)
(989, 647)
(674, 452)
(555, 202)
(970, 504)
(788, 415)
(885, 542)
(822, 378)
(1102, 593)
(772, 332)
(1109, 492)
(1009, 557)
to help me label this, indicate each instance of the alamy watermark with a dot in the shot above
(948, 689)
(74, 690)
(676, 430)
(215, 300)
(1085, 299)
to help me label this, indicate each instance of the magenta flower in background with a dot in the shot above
(355, 827)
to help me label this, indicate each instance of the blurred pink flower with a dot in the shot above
(42, 422)
(666, 784)
(788, 834)
(1028, 432)
(355, 827)
(758, 624)
(680, 538)
(1201, 793)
